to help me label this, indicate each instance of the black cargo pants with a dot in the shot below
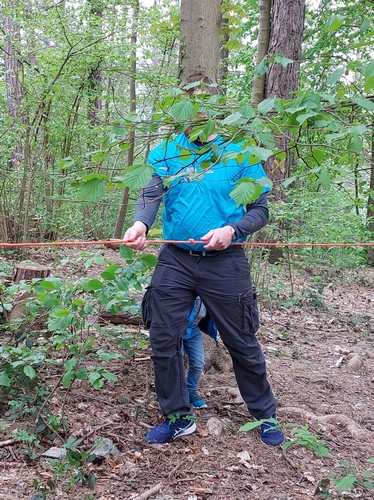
(222, 280)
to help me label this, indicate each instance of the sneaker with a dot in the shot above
(270, 432)
(197, 401)
(171, 429)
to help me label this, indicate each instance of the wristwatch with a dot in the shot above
(233, 232)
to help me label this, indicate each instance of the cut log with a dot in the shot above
(118, 319)
(28, 270)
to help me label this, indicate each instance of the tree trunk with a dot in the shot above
(13, 72)
(287, 26)
(200, 28)
(223, 67)
(370, 208)
(131, 152)
(258, 86)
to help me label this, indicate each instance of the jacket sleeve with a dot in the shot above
(148, 203)
(255, 218)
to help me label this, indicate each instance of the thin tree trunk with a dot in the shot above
(223, 66)
(370, 208)
(258, 87)
(131, 152)
(13, 72)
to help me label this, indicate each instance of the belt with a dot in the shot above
(206, 253)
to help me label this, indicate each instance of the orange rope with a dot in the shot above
(177, 242)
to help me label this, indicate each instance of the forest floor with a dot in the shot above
(320, 362)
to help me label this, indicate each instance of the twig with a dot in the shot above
(9, 442)
(94, 430)
(284, 455)
(149, 493)
(143, 424)
(175, 469)
(48, 398)
(94, 398)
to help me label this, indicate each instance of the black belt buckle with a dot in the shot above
(208, 253)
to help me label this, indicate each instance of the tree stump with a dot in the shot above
(28, 270)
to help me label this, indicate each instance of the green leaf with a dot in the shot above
(370, 460)
(249, 426)
(51, 284)
(369, 83)
(246, 191)
(261, 154)
(4, 379)
(92, 285)
(107, 356)
(70, 363)
(304, 117)
(262, 68)
(126, 253)
(111, 272)
(67, 379)
(234, 44)
(29, 372)
(66, 163)
(334, 23)
(364, 103)
(137, 176)
(124, 146)
(346, 483)
(367, 474)
(109, 376)
(91, 190)
(319, 155)
(99, 156)
(247, 111)
(149, 260)
(355, 144)
(234, 119)
(288, 181)
(335, 76)
(182, 110)
(283, 60)
(325, 178)
(266, 105)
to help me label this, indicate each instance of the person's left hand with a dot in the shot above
(218, 239)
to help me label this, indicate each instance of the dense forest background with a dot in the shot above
(88, 87)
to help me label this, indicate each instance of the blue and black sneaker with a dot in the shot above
(270, 432)
(197, 401)
(171, 429)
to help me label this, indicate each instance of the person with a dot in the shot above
(194, 348)
(198, 207)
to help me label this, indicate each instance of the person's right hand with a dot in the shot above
(136, 236)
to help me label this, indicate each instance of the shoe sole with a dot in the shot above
(199, 407)
(186, 432)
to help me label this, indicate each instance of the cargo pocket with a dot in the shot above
(146, 308)
(249, 313)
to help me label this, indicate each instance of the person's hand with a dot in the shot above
(218, 239)
(136, 236)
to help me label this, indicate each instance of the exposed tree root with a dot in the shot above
(336, 419)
